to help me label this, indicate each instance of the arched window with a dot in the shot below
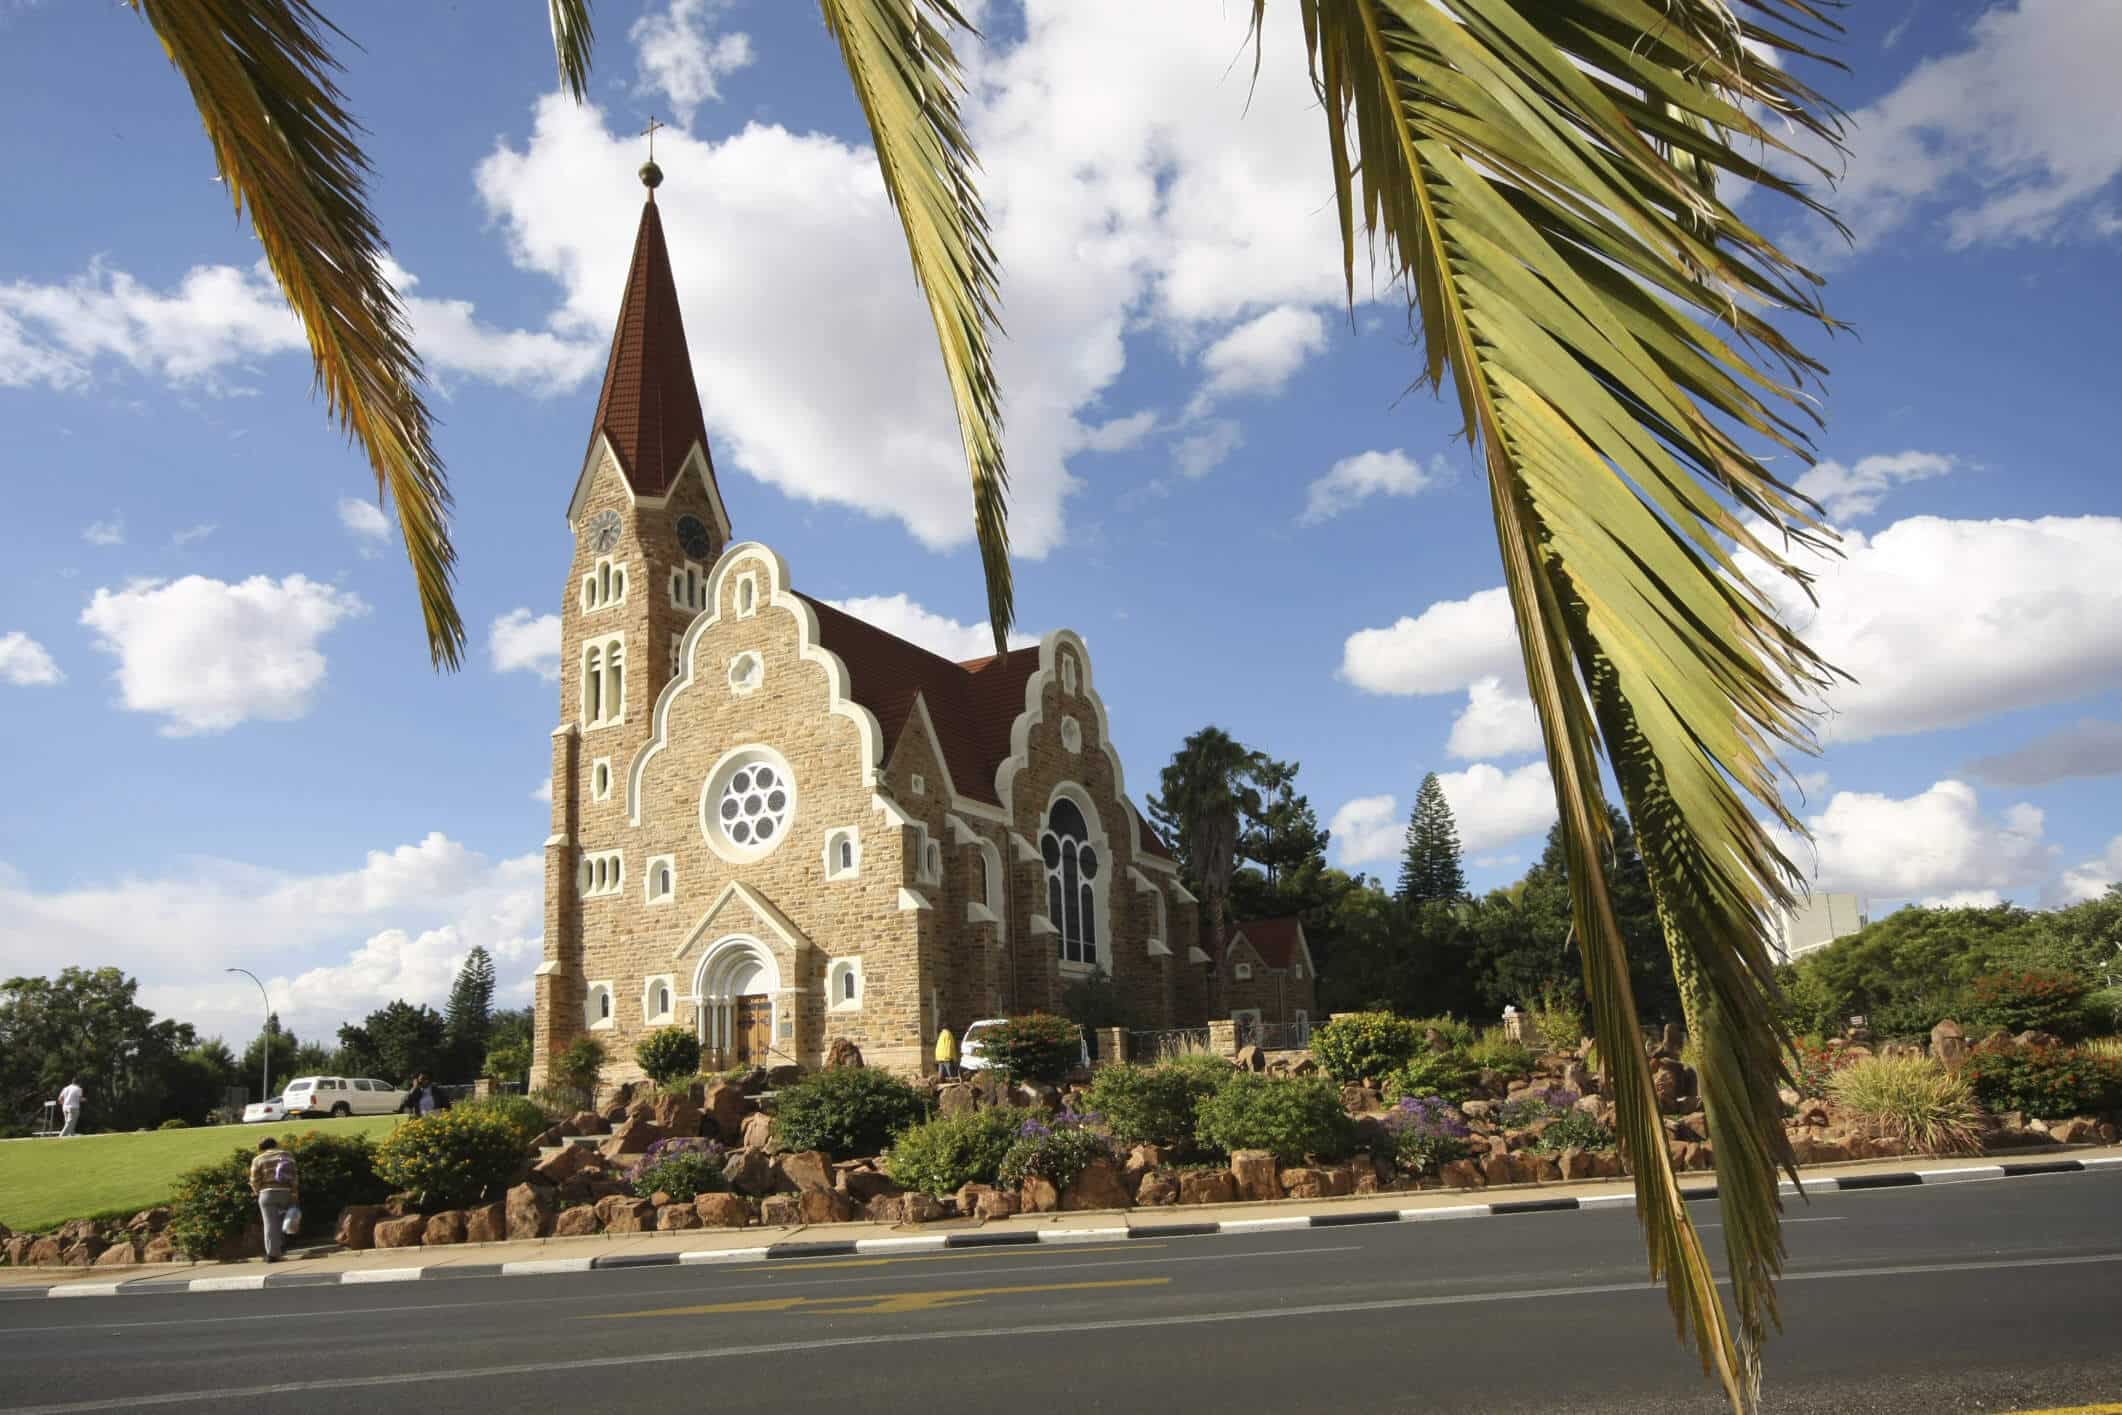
(847, 852)
(663, 1000)
(976, 885)
(593, 684)
(604, 1007)
(847, 986)
(1071, 874)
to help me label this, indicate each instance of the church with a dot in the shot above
(777, 825)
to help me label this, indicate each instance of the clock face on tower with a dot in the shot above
(692, 534)
(603, 532)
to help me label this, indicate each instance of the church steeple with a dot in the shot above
(649, 409)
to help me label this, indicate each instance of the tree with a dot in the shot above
(471, 1000)
(1204, 793)
(85, 1024)
(1431, 870)
(396, 1042)
(1540, 179)
(198, 1079)
(281, 1046)
(508, 1046)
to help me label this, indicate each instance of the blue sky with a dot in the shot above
(234, 752)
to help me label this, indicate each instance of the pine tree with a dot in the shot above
(1431, 871)
(471, 1005)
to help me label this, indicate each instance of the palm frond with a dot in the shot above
(909, 82)
(260, 73)
(573, 38)
(1542, 177)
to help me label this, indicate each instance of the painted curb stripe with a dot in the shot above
(250, 1282)
(990, 1240)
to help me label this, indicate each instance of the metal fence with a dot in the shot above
(1274, 1036)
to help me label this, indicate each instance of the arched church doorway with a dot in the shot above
(736, 985)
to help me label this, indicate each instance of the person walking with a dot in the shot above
(274, 1181)
(946, 1054)
(422, 1098)
(70, 1105)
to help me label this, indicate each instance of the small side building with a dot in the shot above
(1266, 977)
(1818, 921)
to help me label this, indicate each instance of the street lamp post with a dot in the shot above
(265, 1047)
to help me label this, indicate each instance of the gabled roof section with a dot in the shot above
(1279, 942)
(972, 704)
(649, 409)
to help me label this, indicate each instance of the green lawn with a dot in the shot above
(45, 1182)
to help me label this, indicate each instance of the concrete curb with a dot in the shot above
(1012, 1238)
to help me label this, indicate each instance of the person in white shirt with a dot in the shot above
(70, 1103)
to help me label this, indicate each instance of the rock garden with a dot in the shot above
(1378, 1103)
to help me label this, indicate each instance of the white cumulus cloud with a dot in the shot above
(682, 57)
(2090, 879)
(1447, 647)
(111, 532)
(1260, 355)
(1367, 831)
(1201, 452)
(522, 640)
(1847, 492)
(1945, 622)
(208, 654)
(1496, 722)
(1935, 844)
(1494, 807)
(365, 522)
(1354, 480)
(25, 663)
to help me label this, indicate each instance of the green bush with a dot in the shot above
(1154, 1104)
(1036, 1047)
(1056, 1155)
(1574, 1131)
(1498, 1053)
(680, 1167)
(1458, 1033)
(1365, 1045)
(852, 1111)
(1913, 1100)
(943, 1155)
(669, 1053)
(214, 1203)
(175, 1122)
(525, 1116)
(1295, 1116)
(577, 1067)
(1446, 1074)
(2030, 998)
(450, 1158)
(1529, 1106)
(1559, 1021)
(2047, 1082)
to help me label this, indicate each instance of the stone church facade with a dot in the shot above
(777, 825)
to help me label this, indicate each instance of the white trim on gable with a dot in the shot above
(911, 900)
(762, 911)
(765, 560)
(935, 750)
(601, 450)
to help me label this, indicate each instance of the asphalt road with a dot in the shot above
(1991, 1296)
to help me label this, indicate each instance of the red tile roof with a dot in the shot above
(1275, 940)
(1148, 841)
(973, 704)
(649, 407)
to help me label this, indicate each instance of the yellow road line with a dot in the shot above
(997, 1250)
(876, 1301)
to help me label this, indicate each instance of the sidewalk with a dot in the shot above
(332, 1265)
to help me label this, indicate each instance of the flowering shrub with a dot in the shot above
(1575, 1131)
(2049, 1082)
(1814, 1065)
(1498, 1053)
(852, 1111)
(524, 1115)
(1526, 1107)
(1154, 1104)
(1035, 1047)
(1446, 1074)
(2030, 999)
(1365, 1044)
(449, 1158)
(1056, 1152)
(1913, 1100)
(1294, 1116)
(941, 1156)
(214, 1203)
(1426, 1134)
(682, 1168)
(669, 1053)
(575, 1070)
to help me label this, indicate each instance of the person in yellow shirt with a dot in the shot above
(946, 1054)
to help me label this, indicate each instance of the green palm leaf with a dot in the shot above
(909, 82)
(1543, 175)
(573, 38)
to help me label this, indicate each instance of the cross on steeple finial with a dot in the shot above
(651, 174)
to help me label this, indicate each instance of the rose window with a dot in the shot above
(754, 806)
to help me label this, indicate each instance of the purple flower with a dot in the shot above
(1427, 1115)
